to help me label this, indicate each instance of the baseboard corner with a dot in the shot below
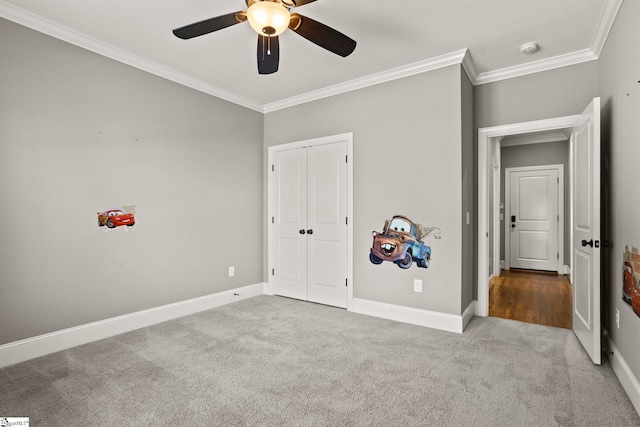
(267, 288)
(468, 314)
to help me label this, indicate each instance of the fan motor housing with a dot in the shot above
(284, 3)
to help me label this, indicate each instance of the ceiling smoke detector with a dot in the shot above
(529, 48)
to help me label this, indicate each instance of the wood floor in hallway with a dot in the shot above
(533, 297)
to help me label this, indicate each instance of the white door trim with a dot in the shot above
(344, 137)
(487, 137)
(496, 176)
(507, 212)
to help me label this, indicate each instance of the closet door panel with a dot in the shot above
(289, 250)
(327, 214)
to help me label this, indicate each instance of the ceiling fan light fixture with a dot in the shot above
(268, 18)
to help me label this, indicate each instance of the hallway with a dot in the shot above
(531, 296)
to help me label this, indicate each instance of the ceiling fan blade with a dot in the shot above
(268, 54)
(322, 35)
(298, 3)
(210, 25)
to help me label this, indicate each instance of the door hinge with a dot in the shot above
(346, 281)
(273, 220)
(273, 271)
(557, 255)
(558, 178)
(273, 168)
(346, 159)
(558, 218)
(346, 220)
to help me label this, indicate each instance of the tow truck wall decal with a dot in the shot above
(401, 242)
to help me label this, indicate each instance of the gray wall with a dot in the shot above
(407, 160)
(549, 153)
(80, 133)
(561, 92)
(620, 93)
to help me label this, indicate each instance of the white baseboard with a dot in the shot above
(268, 289)
(623, 372)
(468, 314)
(20, 351)
(415, 316)
(565, 269)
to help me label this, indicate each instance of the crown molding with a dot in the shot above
(53, 29)
(611, 9)
(463, 57)
(370, 80)
(470, 68)
(559, 61)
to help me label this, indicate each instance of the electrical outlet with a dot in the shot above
(417, 285)
(617, 318)
(232, 271)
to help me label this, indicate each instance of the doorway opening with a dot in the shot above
(584, 214)
(491, 209)
(530, 285)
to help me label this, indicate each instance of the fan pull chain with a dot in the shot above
(269, 46)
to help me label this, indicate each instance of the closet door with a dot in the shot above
(327, 215)
(289, 241)
(308, 254)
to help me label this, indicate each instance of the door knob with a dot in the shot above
(301, 231)
(587, 243)
(309, 231)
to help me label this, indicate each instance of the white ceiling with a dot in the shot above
(395, 38)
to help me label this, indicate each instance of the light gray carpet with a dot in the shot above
(275, 361)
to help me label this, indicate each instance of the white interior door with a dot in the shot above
(289, 220)
(532, 218)
(586, 230)
(308, 242)
(327, 215)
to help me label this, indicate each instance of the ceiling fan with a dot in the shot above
(269, 18)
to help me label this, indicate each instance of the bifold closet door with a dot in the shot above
(309, 238)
